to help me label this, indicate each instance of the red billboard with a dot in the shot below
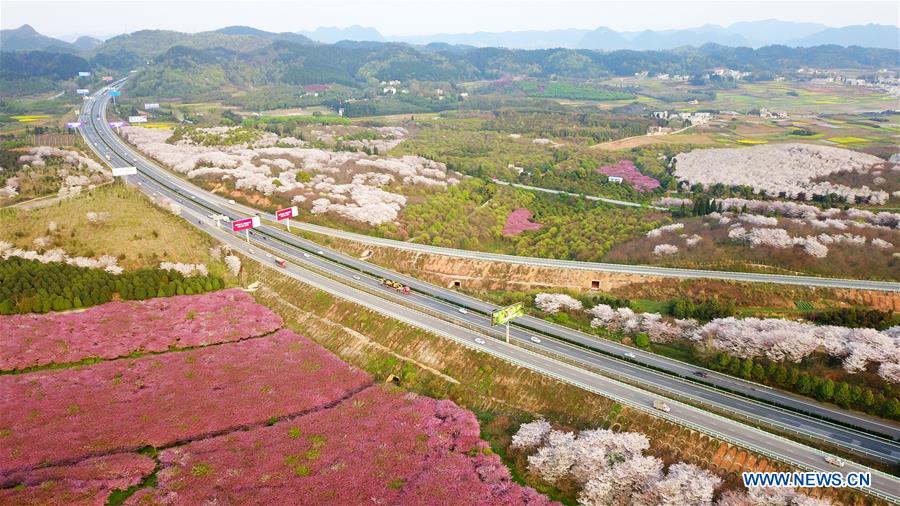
(284, 214)
(245, 224)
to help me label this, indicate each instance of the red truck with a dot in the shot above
(280, 262)
(400, 287)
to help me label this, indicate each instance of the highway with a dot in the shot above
(528, 325)
(348, 276)
(643, 270)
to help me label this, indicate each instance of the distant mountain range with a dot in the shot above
(753, 34)
(749, 34)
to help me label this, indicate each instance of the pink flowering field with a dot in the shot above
(381, 446)
(519, 221)
(53, 416)
(628, 172)
(89, 481)
(120, 328)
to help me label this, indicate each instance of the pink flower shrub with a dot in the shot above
(89, 481)
(628, 172)
(119, 328)
(380, 446)
(519, 221)
(54, 416)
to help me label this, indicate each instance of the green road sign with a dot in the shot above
(505, 315)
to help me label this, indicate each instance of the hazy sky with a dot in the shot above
(67, 19)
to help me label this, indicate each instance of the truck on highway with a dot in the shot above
(400, 287)
(280, 262)
(660, 405)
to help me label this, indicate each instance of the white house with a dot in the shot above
(615, 179)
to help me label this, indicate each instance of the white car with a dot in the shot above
(231, 202)
(479, 340)
(628, 354)
(535, 339)
(268, 255)
(320, 252)
(463, 310)
(252, 252)
(306, 255)
(834, 461)
(356, 277)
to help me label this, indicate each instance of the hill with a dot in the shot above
(859, 35)
(25, 38)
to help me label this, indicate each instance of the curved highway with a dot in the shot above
(438, 310)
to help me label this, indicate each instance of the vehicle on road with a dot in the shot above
(400, 287)
(479, 340)
(231, 201)
(356, 277)
(305, 255)
(463, 310)
(252, 252)
(660, 405)
(280, 262)
(834, 461)
(320, 252)
(701, 374)
(535, 339)
(628, 354)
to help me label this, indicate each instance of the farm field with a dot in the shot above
(794, 97)
(300, 414)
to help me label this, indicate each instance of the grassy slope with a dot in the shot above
(138, 233)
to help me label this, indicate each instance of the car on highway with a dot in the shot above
(834, 461)
(630, 355)
(535, 339)
(479, 340)
(463, 310)
(356, 277)
(320, 252)
(305, 255)
(230, 201)
(701, 374)
(252, 252)
(662, 406)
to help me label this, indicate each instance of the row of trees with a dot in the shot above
(704, 311)
(29, 286)
(881, 403)
(857, 318)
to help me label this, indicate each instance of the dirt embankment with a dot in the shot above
(503, 394)
(484, 275)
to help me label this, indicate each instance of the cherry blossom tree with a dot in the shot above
(531, 435)
(683, 484)
(556, 302)
(665, 249)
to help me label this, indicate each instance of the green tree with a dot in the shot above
(825, 391)
(747, 368)
(842, 395)
(641, 339)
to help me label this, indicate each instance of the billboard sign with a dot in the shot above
(115, 93)
(116, 124)
(124, 171)
(82, 91)
(506, 314)
(107, 78)
(285, 214)
(137, 119)
(73, 124)
(245, 224)
(84, 74)
(151, 106)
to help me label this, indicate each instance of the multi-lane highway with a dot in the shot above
(438, 310)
